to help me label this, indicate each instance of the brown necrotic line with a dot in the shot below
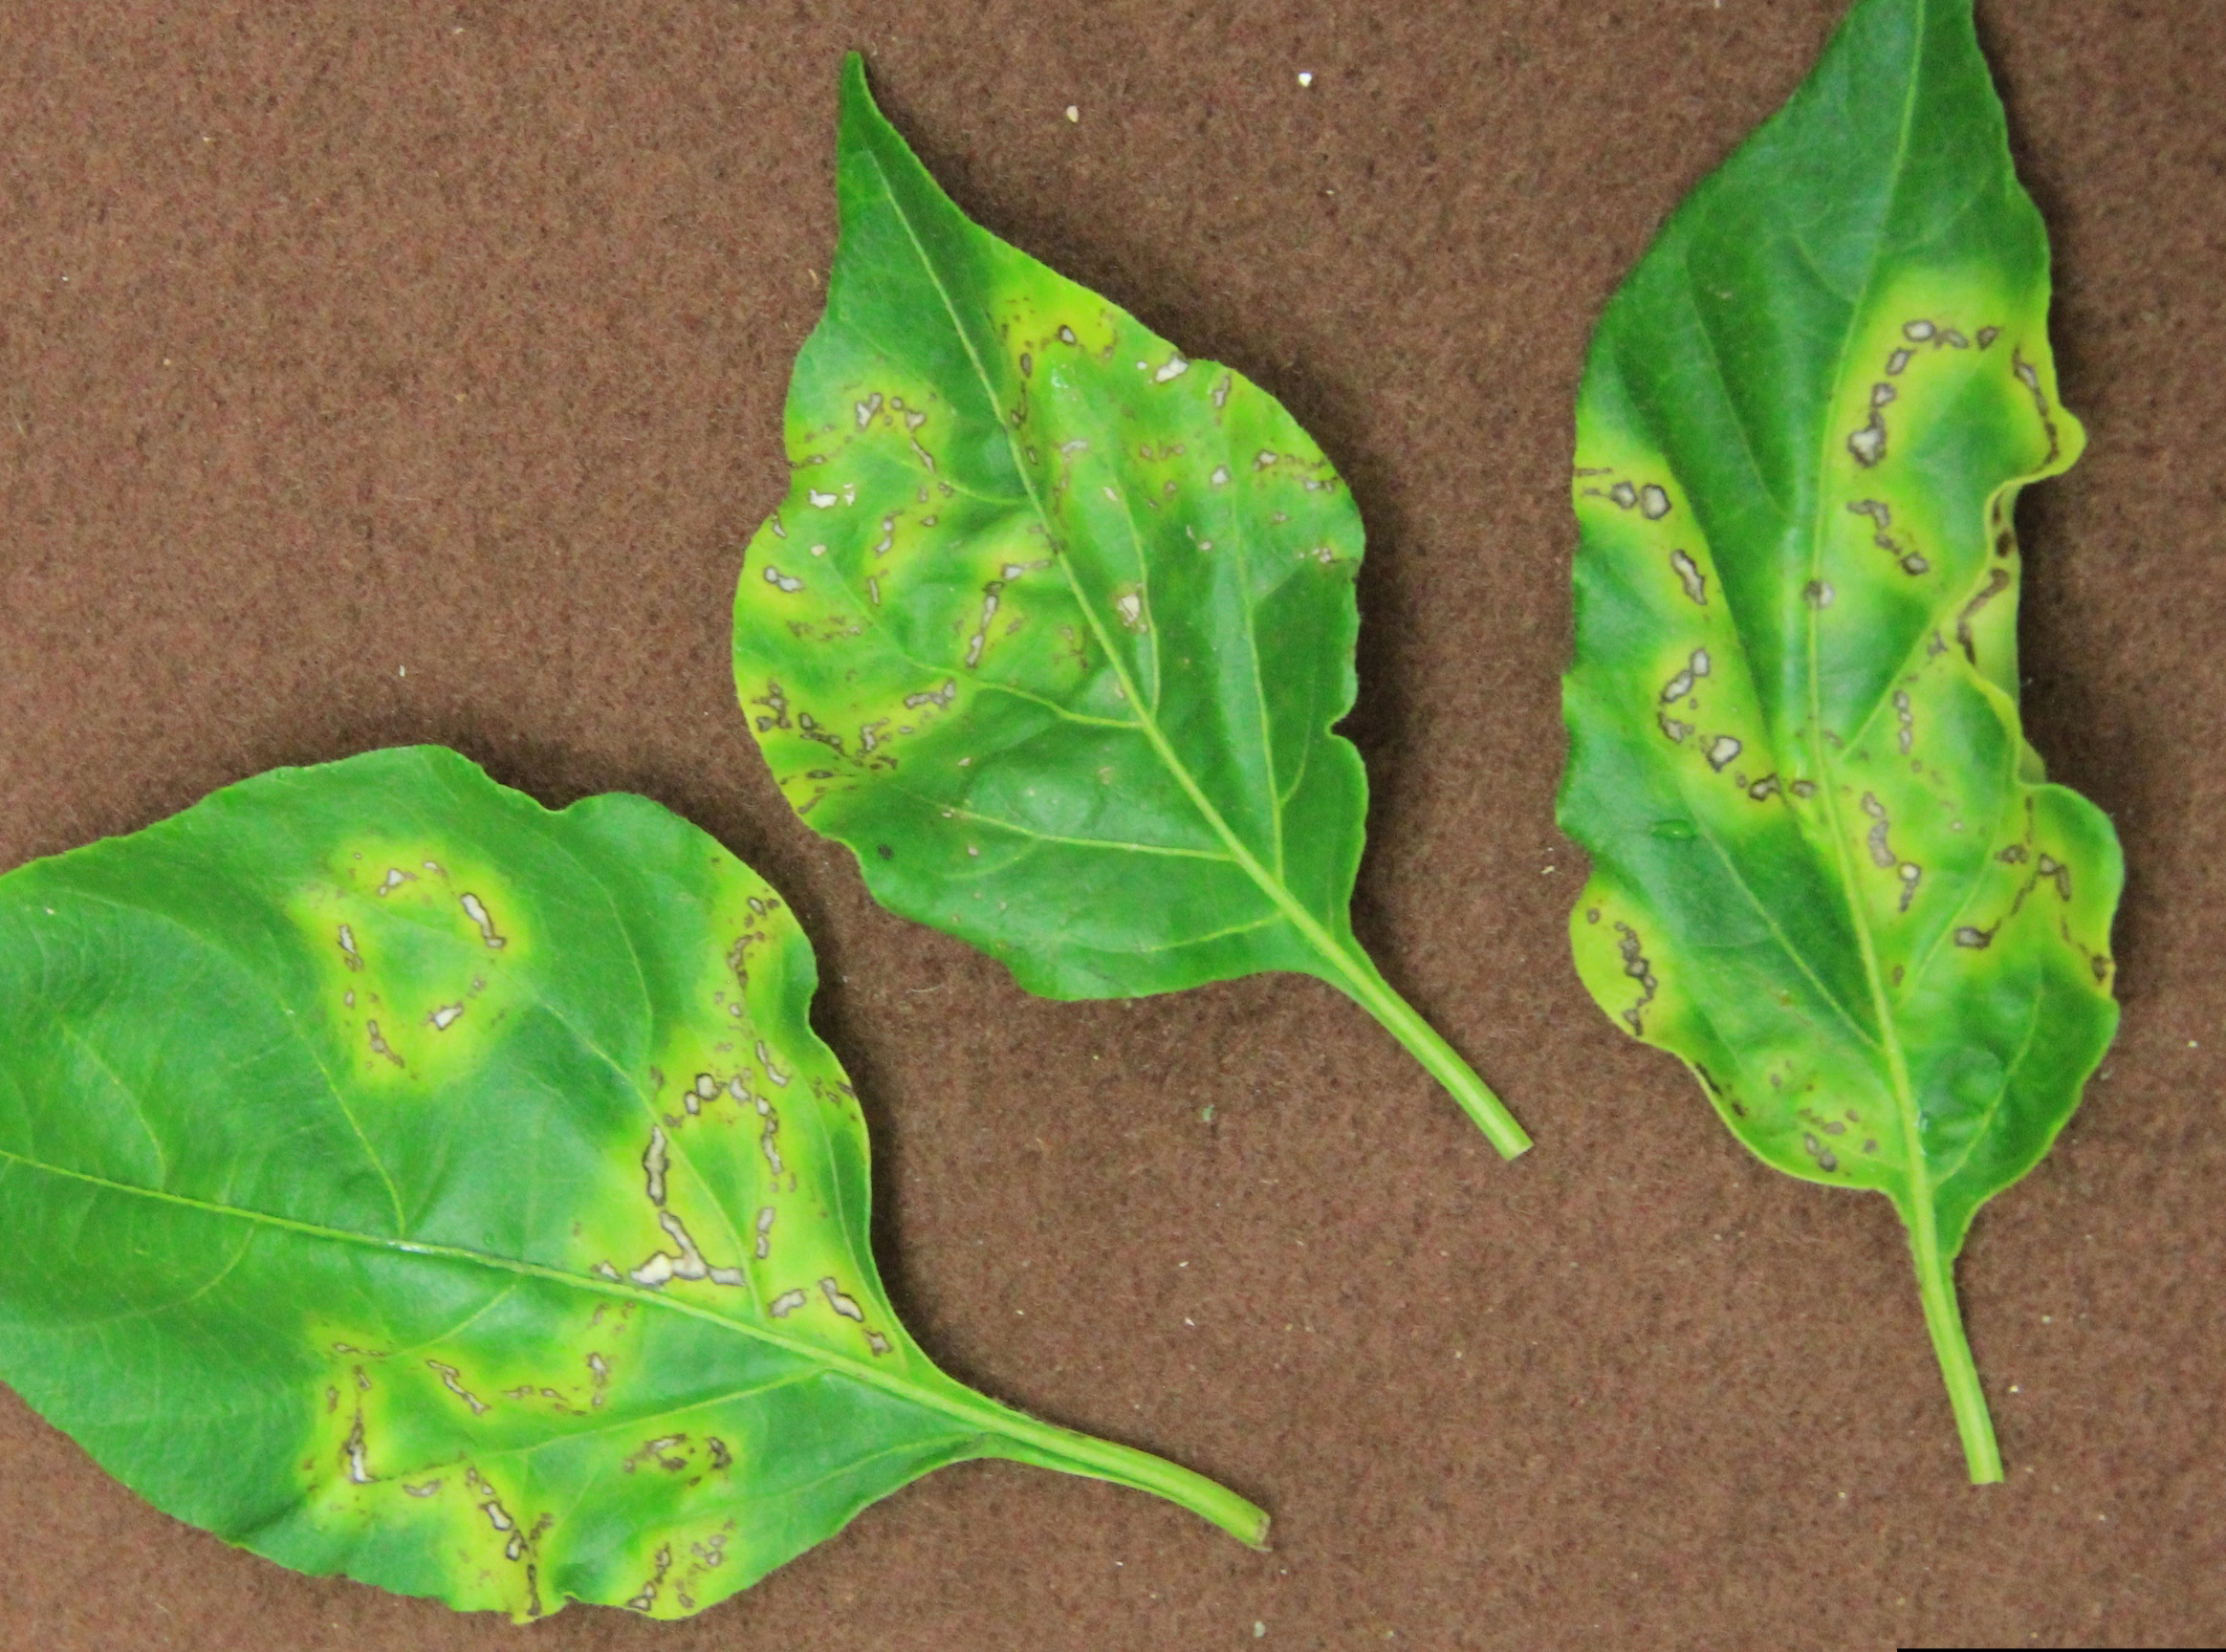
(1997, 580)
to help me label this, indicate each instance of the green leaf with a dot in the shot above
(1828, 872)
(1055, 623)
(402, 1181)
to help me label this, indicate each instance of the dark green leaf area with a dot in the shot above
(1053, 613)
(406, 1182)
(1829, 872)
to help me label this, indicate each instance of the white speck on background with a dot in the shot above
(1305, 77)
(1073, 113)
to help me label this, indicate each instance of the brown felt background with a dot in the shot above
(340, 341)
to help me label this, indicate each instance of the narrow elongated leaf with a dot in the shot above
(1827, 870)
(1055, 622)
(402, 1181)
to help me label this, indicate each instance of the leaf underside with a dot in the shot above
(402, 1181)
(1055, 622)
(1828, 873)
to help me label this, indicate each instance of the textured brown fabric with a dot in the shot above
(373, 374)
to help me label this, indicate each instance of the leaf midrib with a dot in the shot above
(832, 1363)
(1920, 1185)
(1271, 885)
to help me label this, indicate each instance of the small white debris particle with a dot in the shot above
(1305, 77)
(1073, 114)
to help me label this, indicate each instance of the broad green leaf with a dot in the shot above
(1827, 871)
(1055, 623)
(402, 1181)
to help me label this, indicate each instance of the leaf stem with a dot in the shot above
(1936, 1288)
(1368, 988)
(1047, 1446)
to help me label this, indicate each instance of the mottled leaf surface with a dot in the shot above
(1827, 870)
(403, 1181)
(1055, 622)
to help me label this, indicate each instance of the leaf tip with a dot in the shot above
(856, 97)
